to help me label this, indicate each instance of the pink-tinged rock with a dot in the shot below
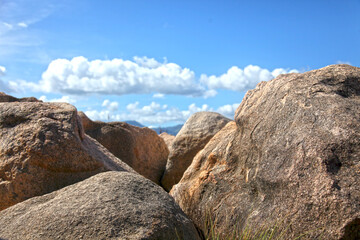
(293, 156)
(43, 148)
(141, 148)
(193, 136)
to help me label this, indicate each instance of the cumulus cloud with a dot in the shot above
(158, 95)
(3, 85)
(241, 79)
(152, 114)
(142, 75)
(156, 114)
(111, 106)
(2, 71)
(118, 77)
(228, 110)
(66, 99)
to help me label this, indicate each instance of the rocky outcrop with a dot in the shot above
(140, 148)
(110, 205)
(7, 98)
(43, 148)
(168, 139)
(193, 136)
(292, 156)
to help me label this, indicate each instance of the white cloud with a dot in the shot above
(66, 99)
(158, 95)
(210, 93)
(155, 113)
(103, 115)
(2, 70)
(5, 26)
(241, 79)
(117, 77)
(4, 87)
(22, 24)
(111, 106)
(146, 62)
(143, 75)
(228, 110)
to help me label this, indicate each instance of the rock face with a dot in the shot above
(7, 98)
(193, 136)
(168, 139)
(140, 148)
(110, 205)
(293, 155)
(43, 148)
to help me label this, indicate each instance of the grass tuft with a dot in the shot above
(270, 232)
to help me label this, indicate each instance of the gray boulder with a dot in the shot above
(43, 148)
(110, 205)
(292, 156)
(193, 136)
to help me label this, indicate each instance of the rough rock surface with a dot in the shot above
(193, 136)
(168, 139)
(43, 148)
(140, 148)
(293, 155)
(7, 98)
(110, 205)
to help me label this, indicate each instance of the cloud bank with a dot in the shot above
(242, 79)
(118, 77)
(67, 99)
(142, 75)
(155, 113)
(2, 71)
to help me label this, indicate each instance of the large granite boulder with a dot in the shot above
(168, 138)
(193, 136)
(140, 148)
(43, 148)
(110, 205)
(293, 156)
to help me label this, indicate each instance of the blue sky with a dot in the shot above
(158, 62)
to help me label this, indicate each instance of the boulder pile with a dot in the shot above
(293, 156)
(193, 136)
(140, 148)
(289, 163)
(43, 148)
(110, 205)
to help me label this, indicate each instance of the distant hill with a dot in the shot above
(173, 130)
(134, 123)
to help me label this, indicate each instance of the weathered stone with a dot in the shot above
(43, 148)
(140, 148)
(293, 156)
(110, 205)
(193, 136)
(168, 139)
(7, 98)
